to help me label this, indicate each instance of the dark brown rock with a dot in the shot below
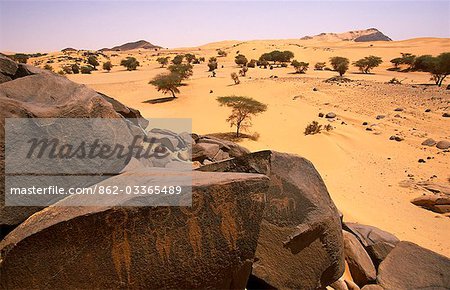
(436, 203)
(4, 78)
(300, 243)
(359, 263)
(409, 266)
(233, 149)
(429, 142)
(378, 243)
(208, 246)
(8, 67)
(444, 144)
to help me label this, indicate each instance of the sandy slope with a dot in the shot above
(362, 169)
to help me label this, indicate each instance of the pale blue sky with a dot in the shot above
(32, 26)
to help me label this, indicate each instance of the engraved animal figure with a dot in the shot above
(283, 205)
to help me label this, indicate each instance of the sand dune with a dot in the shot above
(363, 169)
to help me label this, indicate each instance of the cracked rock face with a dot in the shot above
(209, 245)
(300, 244)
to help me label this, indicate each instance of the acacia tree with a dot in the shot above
(163, 61)
(178, 59)
(367, 63)
(167, 83)
(130, 63)
(300, 66)
(183, 70)
(438, 67)
(212, 63)
(107, 66)
(241, 60)
(189, 57)
(92, 60)
(243, 108)
(339, 64)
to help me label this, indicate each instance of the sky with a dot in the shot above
(42, 26)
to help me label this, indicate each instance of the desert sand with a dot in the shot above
(370, 178)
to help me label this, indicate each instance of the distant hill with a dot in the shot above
(68, 49)
(140, 44)
(371, 34)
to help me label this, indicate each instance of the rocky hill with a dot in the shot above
(371, 34)
(140, 44)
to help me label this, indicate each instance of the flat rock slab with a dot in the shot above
(300, 244)
(210, 245)
(409, 266)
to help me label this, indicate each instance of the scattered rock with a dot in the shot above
(365, 123)
(330, 115)
(301, 223)
(396, 138)
(321, 115)
(444, 144)
(397, 116)
(359, 263)
(421, 160)
(429, 142)
(398, 110)
(446, 115)
(409, 266)
(379, 117)
(427, 110)
(436, 203)
(315, 89)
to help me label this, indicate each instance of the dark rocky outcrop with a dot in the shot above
(409, 266)
(300, 243)
(376, 36)
(210, 245)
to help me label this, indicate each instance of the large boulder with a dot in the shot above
(359, 263)
(41, 94)
(378, 243)
(210, 245)
(8, 67)
(300, 243)
(409, 266)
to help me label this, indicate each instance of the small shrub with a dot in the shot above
(75, 69)
(86, 69)
(107, 66)
(313, 128)
(48, 67)
(319, 65)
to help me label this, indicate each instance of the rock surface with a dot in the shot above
(378, 243)
(359, 263)
(210, 245)
(444, 144)
(37, 93)
(409, 266)
(437, 203)
(300, 243)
